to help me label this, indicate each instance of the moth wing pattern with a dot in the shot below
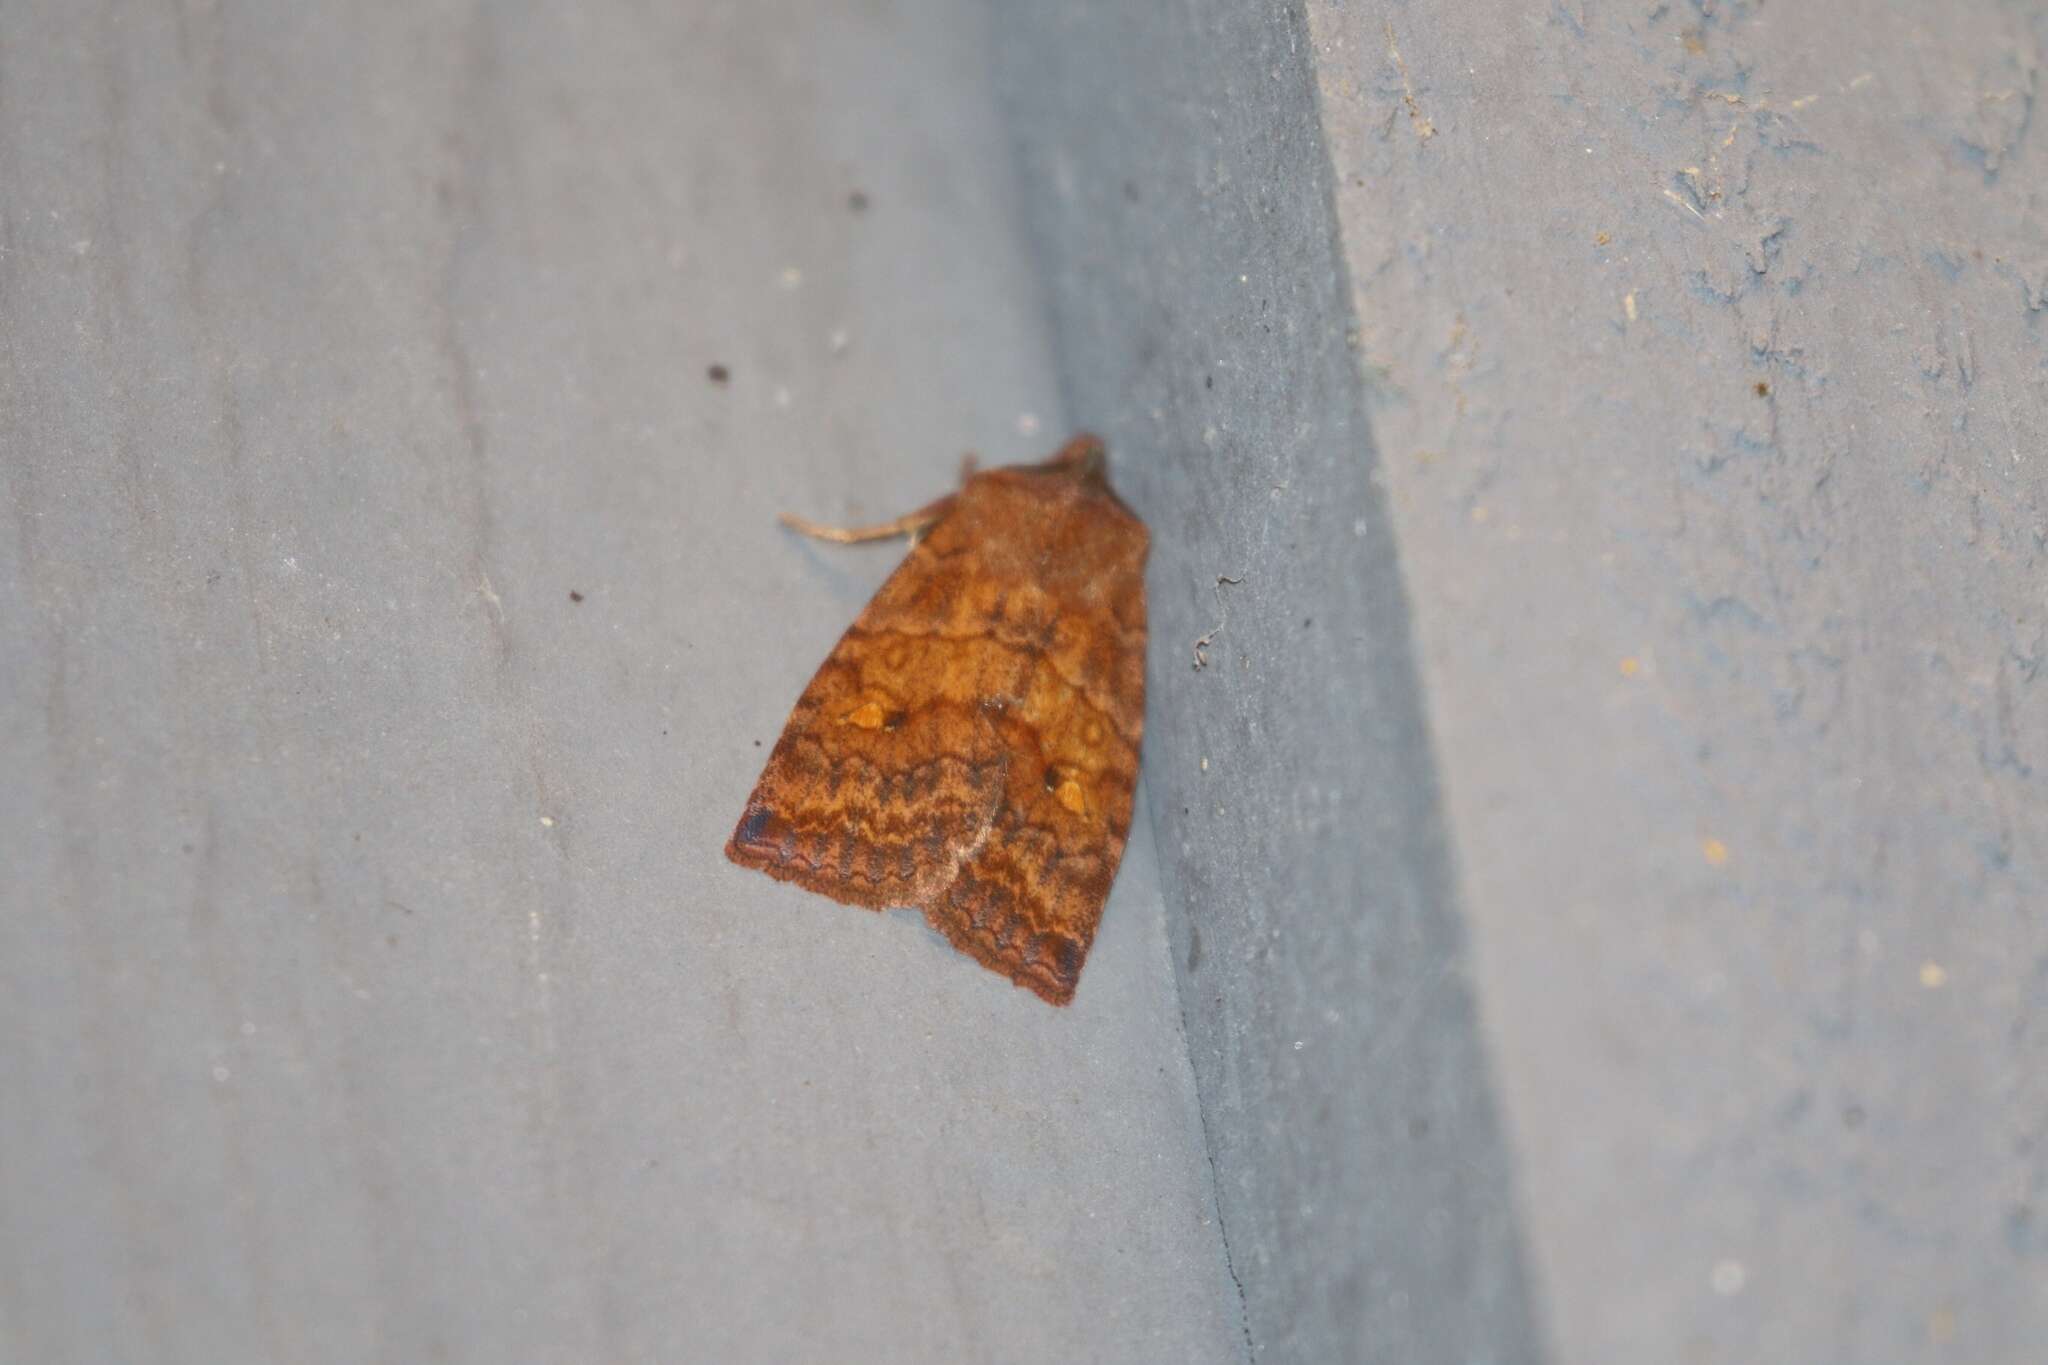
(881, 781)
(970, 747)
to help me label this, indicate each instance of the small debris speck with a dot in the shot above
(575, 596)
(1763, 388)
(1714, 851)
(1729, 1277)
(547, 822)
(718, 374)
(1631, 666)
(1933, 976)
(857, 201)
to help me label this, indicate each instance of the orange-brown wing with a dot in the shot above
(1028, 901)
(971, 745)
(890, 769)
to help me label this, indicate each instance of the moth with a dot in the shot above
(970, 747)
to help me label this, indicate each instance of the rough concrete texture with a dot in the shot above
(1360, 1169)
(371, 982)
(1707, 350)
(1653, 723)
(1362, 1175)
(1703, 345)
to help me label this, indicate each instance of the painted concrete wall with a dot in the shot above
(1591, 902)
(1703, 356)
(372, 985)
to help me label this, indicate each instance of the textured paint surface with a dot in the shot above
(1710, 375)
(371, 983)
(970, 747)
(1179, 196)
(372, 987)
(1703, 348)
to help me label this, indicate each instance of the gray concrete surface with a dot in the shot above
(1594, 911)
(371, 982)
(1362, 1173)
(1703, 349)
(1360, 1165)
(1710, 379)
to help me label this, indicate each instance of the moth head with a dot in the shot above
(1085, 455)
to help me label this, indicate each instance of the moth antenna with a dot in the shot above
(912, 524)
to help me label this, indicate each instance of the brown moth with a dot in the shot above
(970, 747)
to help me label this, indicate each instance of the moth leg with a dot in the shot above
(912, 524)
